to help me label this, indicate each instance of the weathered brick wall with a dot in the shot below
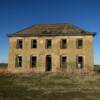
(71, 52)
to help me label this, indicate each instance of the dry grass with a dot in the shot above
(49, 87)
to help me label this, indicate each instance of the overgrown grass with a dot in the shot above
(50, 87)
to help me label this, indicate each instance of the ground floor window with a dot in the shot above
(80, 62)
(48, 62)
(33, 61)
(18, 61)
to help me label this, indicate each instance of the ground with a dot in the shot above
(49, 87)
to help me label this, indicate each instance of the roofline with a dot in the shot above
(62, 34)
(45, 24)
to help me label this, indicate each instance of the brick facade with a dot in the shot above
(71, 52)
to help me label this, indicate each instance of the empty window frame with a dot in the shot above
(33, 61)
(63, 44)
(33, 43)
(63, 62)
(80, 62)
(18, 61)
(19, 44)
(79, 43)
(48, 43)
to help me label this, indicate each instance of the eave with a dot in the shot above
(61, 34)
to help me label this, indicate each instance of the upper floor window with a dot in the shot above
(18, 61)
(48, 43)
(63, 43)
(33, 43)
(19, 43)
(79, 43)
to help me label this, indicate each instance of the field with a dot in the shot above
(49, 86)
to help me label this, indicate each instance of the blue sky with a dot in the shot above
(18, 14)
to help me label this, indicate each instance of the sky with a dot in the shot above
(16, 15)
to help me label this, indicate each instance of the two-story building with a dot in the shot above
(51, 47)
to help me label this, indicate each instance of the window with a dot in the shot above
(33, 43)
(63, 62)
(19, 61)
(63, 43)
(19, 44)
(80, 62)
(79, 43)
(48, 44)
(33, 61)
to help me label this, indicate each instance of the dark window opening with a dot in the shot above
(80, 62)
(63, 43)
(20, 44)
(63, 62)
(33, 61)
(34, 44)
(48, 44)
(48, 63)
(19, 61)
(79, 43)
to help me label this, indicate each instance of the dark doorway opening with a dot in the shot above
(48, 63)
(63, 63)
(80, 63)
(33, 61)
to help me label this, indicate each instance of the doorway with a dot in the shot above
(33, 61)
(63, 63)
(48, 63)
(80, 62)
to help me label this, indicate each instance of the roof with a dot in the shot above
(51, 30)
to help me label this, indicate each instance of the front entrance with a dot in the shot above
(80, 62)
(63, 62)
(48, 63)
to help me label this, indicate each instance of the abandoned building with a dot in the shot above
(51, 48)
